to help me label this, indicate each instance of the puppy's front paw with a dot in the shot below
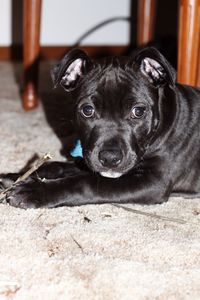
(6, 180)
(27, 195)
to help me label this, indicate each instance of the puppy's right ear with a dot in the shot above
(70, 69)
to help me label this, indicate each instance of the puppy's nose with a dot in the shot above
(110, 158)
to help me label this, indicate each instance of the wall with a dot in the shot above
(64, 21)
(5, 22)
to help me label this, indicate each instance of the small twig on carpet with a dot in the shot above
(75, 241)
(34, 168)
(86, 219)
(136, 211)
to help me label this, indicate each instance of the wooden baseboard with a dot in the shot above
(15, 52)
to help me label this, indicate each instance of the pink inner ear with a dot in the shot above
(73, 71)
(151, 67)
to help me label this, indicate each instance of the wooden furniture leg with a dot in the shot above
(198, 71)
(145, 21)
(188, 41)
(31, 35)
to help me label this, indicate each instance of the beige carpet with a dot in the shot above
(89, 252)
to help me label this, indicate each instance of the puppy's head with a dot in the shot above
(117, 105)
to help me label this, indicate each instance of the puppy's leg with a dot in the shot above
(82, 187)
(50, 170)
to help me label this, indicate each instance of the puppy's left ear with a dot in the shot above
(70, 69)
(155, 67)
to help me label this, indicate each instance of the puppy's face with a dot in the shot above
(116, 104)
(114, 118)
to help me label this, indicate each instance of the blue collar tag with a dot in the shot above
(77, 151)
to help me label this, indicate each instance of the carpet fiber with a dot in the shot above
(88, 252)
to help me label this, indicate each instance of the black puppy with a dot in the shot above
(139, 129)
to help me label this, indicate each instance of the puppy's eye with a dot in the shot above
(138, 112)
(87, 110)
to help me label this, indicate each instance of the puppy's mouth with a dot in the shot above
(111, 174)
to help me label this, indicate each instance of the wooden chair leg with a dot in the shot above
(145, 21)
(31, 34)
(188, 41)
(198, 72)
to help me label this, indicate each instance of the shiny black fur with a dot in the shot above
(143, 131)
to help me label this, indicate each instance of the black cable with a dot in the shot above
(98, 26)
